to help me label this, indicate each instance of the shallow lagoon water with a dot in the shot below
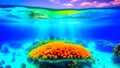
(98, 29)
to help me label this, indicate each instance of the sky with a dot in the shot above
(62, 3)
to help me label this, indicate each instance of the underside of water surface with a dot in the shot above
(23, 29)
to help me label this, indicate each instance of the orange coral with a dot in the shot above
(58, 49)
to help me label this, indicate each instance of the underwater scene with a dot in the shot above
(32, 37)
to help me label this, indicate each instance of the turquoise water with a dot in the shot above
(97, 29)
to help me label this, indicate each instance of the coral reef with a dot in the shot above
(117, 50)
(4, 65)
(23, 65)
(42, 42)
(59, 54)
(8, 66)
(55, 50)
(116, 54)
(66, 63)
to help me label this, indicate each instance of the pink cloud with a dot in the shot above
(85, 4)
(67, 4)
(58, 1)
(100, 4)
(72, 1)
(115, 2)
(94, 4)
(55, 1)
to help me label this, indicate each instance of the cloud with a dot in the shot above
(115, 2)
(67, 4)
(100, 4)
(72, 1)
(58, 1)
(85, 4)
(94, 4)
(55, 1)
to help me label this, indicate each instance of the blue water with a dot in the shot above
(28, 31)
(98, 30)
